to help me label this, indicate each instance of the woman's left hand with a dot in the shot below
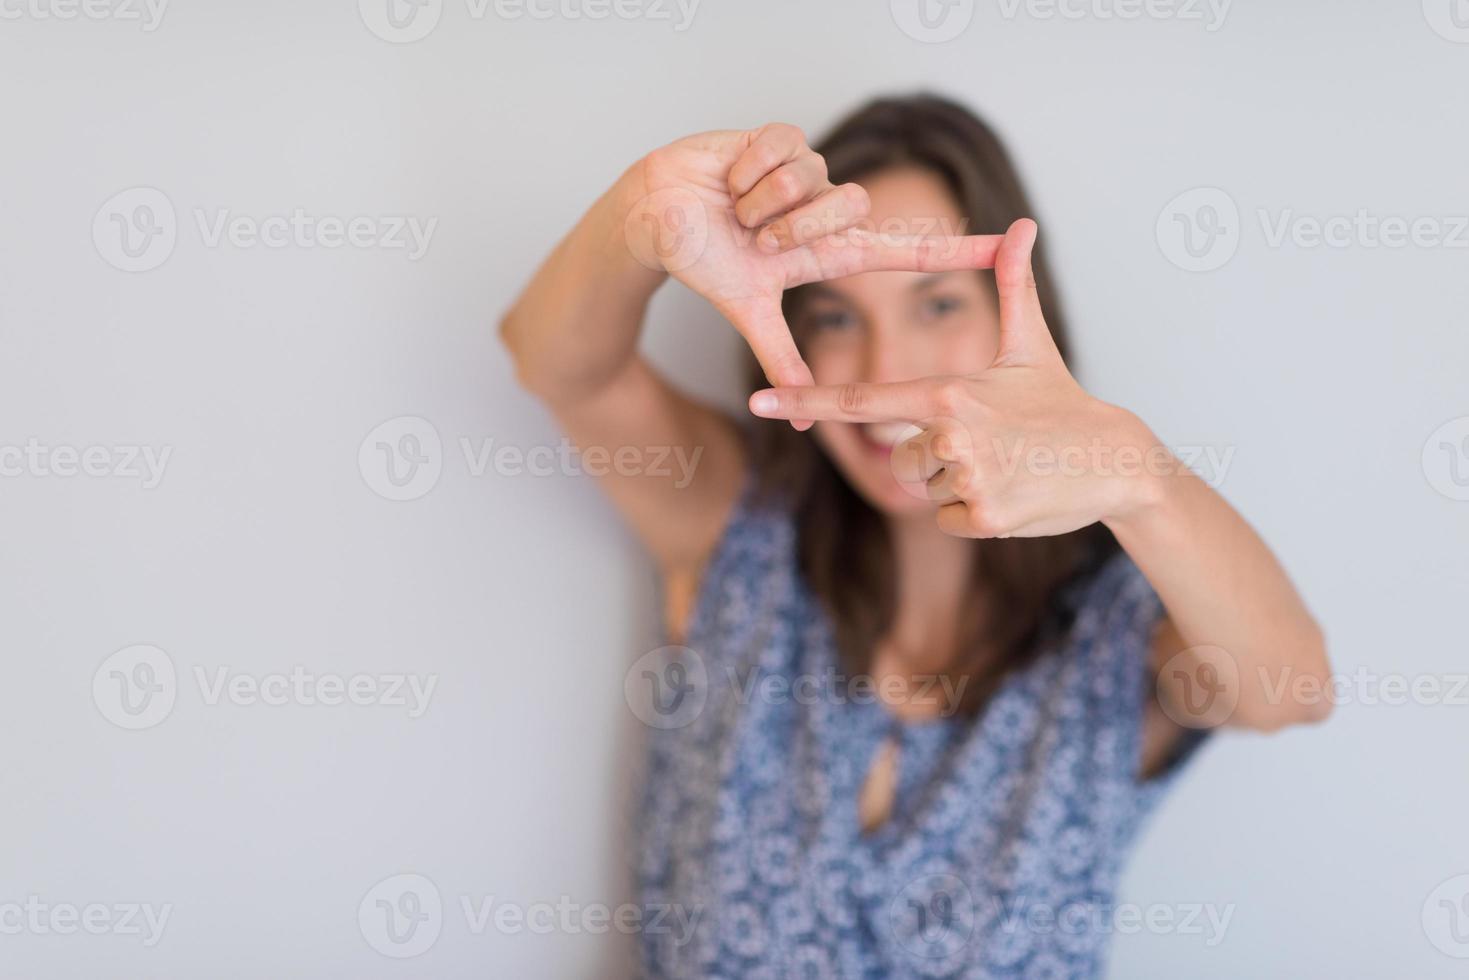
(1019, 450)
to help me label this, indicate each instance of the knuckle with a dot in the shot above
(789, 131)
(818, 165)
(745, 211)
(783, 365)
(857, 199)
(923, 252)
(944, 447)
(967, 481)
(783, 232)
(661, 162)
(951, 396)
(787, 185)
(957, 479)
(983, 522)
(851, 398)
(960, 443)
(790, 359)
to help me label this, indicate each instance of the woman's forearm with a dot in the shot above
(1225, 591)
(576, 325)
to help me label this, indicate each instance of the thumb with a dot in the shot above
(764, 328)
(1024, 336)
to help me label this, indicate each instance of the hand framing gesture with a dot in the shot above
(1016, 450)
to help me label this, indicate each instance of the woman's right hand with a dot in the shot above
(740, 216)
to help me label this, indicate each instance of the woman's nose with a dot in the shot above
(887, 358)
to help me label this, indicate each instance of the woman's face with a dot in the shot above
(896, 326)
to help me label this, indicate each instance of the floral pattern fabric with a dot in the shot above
(1008, 831)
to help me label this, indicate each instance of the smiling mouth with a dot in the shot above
(881, 437)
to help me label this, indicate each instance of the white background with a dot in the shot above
(263, 547)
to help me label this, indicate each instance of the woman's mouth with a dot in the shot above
(880, 437)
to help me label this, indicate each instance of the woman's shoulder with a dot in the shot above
(760, 526)
(752, 567)
(1109, 579)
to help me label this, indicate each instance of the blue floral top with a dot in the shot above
(1007, 833)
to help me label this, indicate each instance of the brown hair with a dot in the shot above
(842, 542)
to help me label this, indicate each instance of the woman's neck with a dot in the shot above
(933, 583)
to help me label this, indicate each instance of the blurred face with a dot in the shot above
(896, 326)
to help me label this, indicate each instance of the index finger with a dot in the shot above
(856, 251)
(893, 401)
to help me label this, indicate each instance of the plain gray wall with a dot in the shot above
(264, 546)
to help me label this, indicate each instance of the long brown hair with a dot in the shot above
(843, 546)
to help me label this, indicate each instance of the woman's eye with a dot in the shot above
(939, 306)
(830, 320)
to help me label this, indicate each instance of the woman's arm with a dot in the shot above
(738, 216)
(1240, 636)
(573, 334)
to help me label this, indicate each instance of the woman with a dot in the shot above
(1012, 612)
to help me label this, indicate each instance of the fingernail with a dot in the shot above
(763, 402)
(769, 240)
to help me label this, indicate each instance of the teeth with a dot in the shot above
(889, 433)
